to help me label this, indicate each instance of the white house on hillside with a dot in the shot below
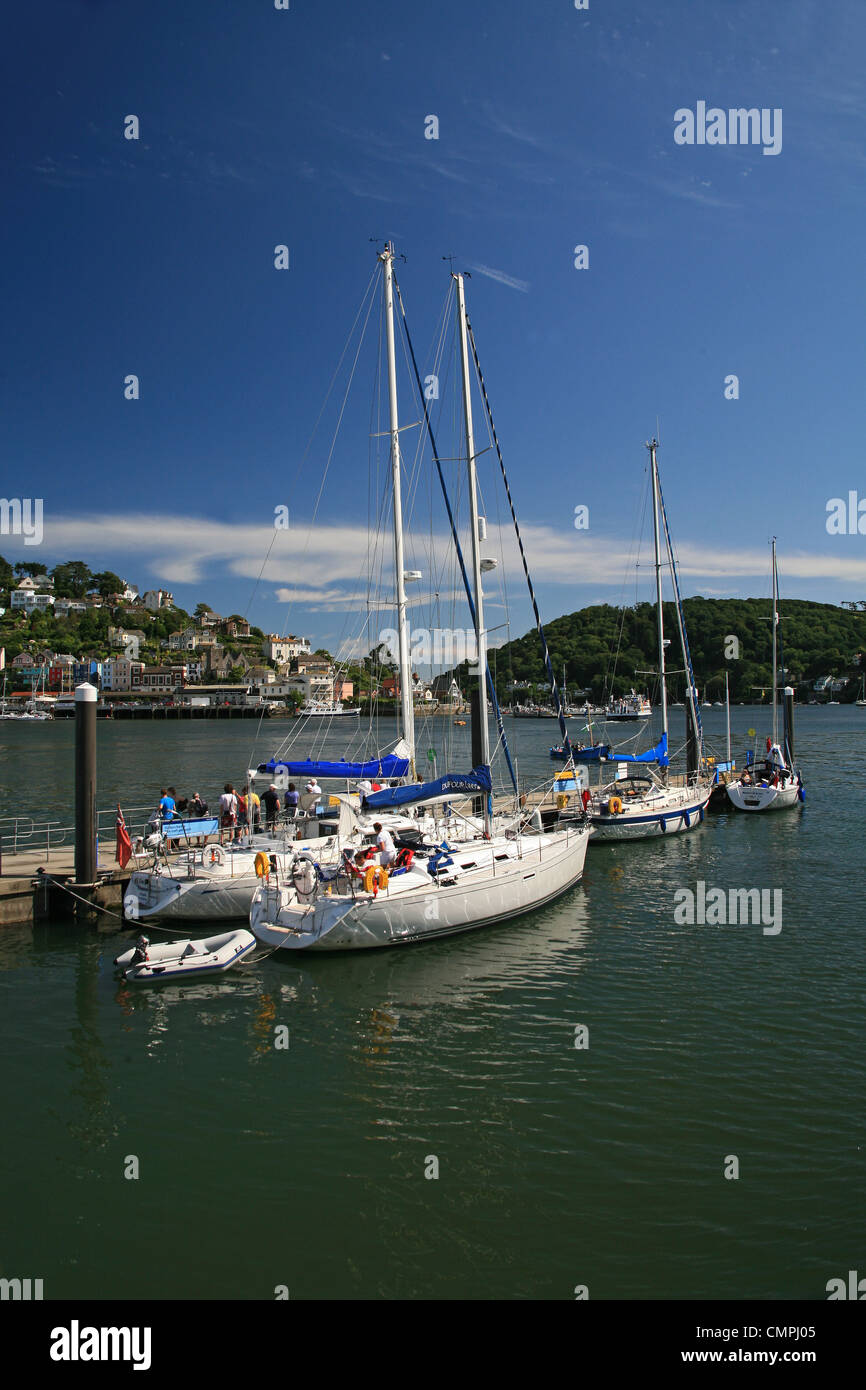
(154, 599)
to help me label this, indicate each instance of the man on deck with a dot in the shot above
(271, 803)
(385, 845)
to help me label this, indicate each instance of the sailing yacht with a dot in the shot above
(643, 800)
(861, 698)
(496, 871)
(774, 784)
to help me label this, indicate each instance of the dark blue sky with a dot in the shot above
(306, 127)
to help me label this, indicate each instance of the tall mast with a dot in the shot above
(652, 446)
(480, 634)
(774, 648)
(727, 719)
(407, 712)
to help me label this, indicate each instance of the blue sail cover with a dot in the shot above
(601, 752)
(389, 766)
(659, 754)
(461, 784)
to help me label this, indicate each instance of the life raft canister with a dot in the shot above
(263, 865)
(375, 878)
(614, 806)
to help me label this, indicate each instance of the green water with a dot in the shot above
(557, 1166)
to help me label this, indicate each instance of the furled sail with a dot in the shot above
(441, 789)
(659, 754)
(389, 766)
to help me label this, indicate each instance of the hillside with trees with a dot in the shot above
(608, 650)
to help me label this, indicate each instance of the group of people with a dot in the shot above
(245, 810)
(173, 809)
(248, 811)
(239, 811)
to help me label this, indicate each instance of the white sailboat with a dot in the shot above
(490, 875)
(775, 784)
(212, 883)
(644, 801)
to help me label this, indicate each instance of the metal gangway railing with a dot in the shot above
(26, 835)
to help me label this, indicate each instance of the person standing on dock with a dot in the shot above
(228, 811)
(243, 815)
(198, 811)
(254, 810)
(167, 806)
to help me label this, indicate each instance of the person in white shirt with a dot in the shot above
(385, 845)
(313, 788)
(364, 788)
(228, 812)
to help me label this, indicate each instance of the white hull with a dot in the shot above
(759, 798)
(174, 960)
(219, 894)
(328, 713)
(157, 897)
(671, 814)
(529, 872)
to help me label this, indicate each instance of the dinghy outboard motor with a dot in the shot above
(139, 955)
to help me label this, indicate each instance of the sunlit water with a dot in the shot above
(557, 1165)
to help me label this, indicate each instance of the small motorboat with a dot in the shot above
(172, 960)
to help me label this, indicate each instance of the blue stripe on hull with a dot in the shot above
(666, 821)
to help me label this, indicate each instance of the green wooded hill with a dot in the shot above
(603, 648)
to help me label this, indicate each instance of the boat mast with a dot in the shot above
(407, 713)
(728, 718)
(652, 446)
(775, 674)
(480, 634)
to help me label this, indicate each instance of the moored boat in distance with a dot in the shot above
(643, 800)
(776, 784)
(321, 709)
(628, 708)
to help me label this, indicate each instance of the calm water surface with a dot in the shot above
(557, 1166)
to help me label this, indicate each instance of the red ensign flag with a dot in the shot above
(124, 844)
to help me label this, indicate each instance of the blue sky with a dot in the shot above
(556, 128)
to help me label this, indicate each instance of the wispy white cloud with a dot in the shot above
(328, 566)
(501, 278)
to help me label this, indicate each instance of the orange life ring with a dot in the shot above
(614, 806)
(263, 865)
(375, 878)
